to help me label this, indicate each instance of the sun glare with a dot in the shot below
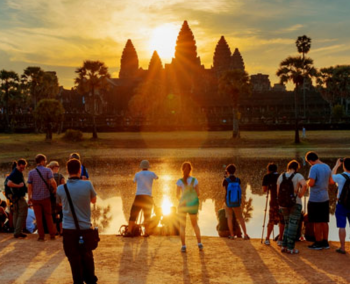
(166, 205)
(163, 40)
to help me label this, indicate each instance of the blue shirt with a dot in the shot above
(81, 192)
(320, 173)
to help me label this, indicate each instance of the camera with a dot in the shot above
(341, 160)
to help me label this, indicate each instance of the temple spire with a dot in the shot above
(156, 62)
(237, 60)
(129, 63)
(222, 57)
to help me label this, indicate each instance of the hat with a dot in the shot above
(53, 164)
(144, 164)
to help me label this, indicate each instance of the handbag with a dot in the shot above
(88, 239)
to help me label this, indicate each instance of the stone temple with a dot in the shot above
(185, 95)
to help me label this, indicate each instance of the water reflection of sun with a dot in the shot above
(163, 40)
(166, 205)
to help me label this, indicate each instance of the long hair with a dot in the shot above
(185, 175)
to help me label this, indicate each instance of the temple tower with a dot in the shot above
(222, 57)
(129, 63)
(237, 60)
(155, 63)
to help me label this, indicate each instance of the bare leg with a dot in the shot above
(182, 218)
(229, 213)
(318, 231)
(130, 226)
(239, 216)
(342, 235)
(325, 231)
(281, 227)
(269, 230)
(196, 227)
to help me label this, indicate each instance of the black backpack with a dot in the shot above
(344, 198)
(286, 196)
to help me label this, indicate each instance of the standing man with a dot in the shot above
(341, 212)
(275, 217)
(19, 189)
(39, 181)
(318, 205)
(82, 194)
(84, 173)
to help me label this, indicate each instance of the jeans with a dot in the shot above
(292, 217)
(81, 260)
(20, 210)
(43, 207)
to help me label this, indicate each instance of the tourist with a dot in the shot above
(234, 210)
(187, 192)
(292, 215)
(341, 212)
(30, 221)
(275, 217)
(318, 205)
(56, 208)
(15, 181)
(143, 199)
(3, 214)
(84, 172)
(82, 193)
(40, 180)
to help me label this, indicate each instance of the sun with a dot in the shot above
(166, 205)
(163, 40)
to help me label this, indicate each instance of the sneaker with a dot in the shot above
(53, 238)
(267, 242)
(231, 237)
(23, 235)
(183, 249)
(200, 246)
(292, 251)
(128, 235)
(316, 246)
(284, 249)
(41, 240)
(325, 244)
(279, 243)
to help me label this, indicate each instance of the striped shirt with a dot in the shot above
(40, 190)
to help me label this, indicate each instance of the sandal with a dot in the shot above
(340, 251)
(283, 249)
(246, 237)
(231, 237)
(292, 251)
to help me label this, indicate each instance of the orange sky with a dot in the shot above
(58, 35)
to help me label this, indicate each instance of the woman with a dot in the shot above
(56, 209)
(291, 214)
(187, 192)
(235, 208)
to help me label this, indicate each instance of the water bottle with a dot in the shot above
(81, 240)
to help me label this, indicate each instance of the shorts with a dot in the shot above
(144, 203)
(341, 214)
(192, 210)
(318, 212)
(275, 216)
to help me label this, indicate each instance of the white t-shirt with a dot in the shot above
(189, 180)
(296, 179)
(144, 180)
(30, 221)
(340, 181)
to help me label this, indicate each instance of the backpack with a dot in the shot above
(234, 193)
(344, 198)
(286, 196)
(189, 196)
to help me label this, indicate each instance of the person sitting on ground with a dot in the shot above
(154, 221)
(19, 189)
(170, 223)
(275, 217)
(56, 208)
(292, 215)
(3, 214)
(320, 176)
(187, 192)
(342, 212)
(236, 209)
(30, 221)
(84, 172)
(143, 199)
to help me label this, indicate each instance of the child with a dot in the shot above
(143, 199)
(187, 192)
(231, 169)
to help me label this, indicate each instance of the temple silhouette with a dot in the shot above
(184, 94)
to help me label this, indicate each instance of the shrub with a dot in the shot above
(73, 135)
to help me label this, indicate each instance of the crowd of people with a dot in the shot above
(47, 208)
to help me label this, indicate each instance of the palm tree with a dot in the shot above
(296, 69)
(92, 78)
(32, 79)
(303, 44)
(9, 88)
(234, 84)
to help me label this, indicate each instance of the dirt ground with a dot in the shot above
(159, 260)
